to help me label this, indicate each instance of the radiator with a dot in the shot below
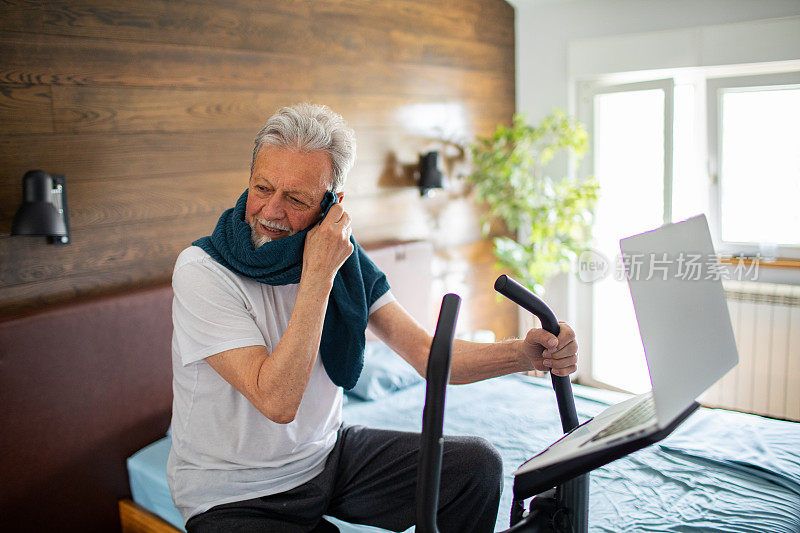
(766, 324)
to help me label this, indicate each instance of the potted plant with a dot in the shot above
(549, 217)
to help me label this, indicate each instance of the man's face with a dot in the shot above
(286, 189)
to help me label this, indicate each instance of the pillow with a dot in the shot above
(384, 373)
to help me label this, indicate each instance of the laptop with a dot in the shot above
(675, 283)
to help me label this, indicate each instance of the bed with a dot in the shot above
(721, 471)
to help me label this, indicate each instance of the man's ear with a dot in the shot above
(339, 197)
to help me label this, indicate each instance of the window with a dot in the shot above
(630, 165)
(754, 156)
(656, 164)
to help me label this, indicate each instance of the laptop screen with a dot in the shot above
(675, 282)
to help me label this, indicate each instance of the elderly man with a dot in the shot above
(269, 316)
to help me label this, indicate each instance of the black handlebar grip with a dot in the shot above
(431, 443)
(561, 384)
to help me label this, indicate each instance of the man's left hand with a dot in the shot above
(550, 354)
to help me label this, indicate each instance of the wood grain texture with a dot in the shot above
(84, 157)
(28, 297)
(96, 249)
(469, 270)
(57, 60)
(428, 18)
(26, 109)
(26, 260)
(118, 202)
(129, 110)
(136, 519)
(145, 110)
(475, 37)
(150, 107)
(409, 48)
(267, 26)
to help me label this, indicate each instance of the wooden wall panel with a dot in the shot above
(246, 25)
(26, 109)
(149, 107)
(100, 156)
(107, 109)
(77, 109)
(468, 270)
(387, 31)
(57, 60)
(151, 198)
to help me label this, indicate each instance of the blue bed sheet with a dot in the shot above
(147, 472)
(721, 471)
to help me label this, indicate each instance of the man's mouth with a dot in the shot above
(263, 231)
(271, 231)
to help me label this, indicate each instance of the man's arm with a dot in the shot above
(275, 382)
(473, 361)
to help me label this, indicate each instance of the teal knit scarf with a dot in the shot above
(357, 285)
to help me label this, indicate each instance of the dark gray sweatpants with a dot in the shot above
(370, 478)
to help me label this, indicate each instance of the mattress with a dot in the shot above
(720, 471)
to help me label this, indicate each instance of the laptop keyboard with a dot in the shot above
(638, 414)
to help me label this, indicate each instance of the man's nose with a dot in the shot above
(274, 207)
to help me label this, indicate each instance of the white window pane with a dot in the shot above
(629, 165)
(760, 166)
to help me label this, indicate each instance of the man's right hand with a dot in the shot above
(275, 382)
(327, 246)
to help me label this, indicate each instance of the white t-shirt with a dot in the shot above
(223, 448)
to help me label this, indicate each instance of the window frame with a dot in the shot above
(714, 88)
(587, 90)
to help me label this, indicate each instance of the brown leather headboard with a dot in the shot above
(82, 387)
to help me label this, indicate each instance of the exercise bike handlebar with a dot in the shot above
(431, 445)
(561, 384)
(572, 495)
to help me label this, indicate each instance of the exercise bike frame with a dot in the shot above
(564, 508)
(560, 492)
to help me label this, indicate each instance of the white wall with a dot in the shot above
(545, 28)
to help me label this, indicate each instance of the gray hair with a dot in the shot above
(308, 128)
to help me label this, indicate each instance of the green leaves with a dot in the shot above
(551, 217)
